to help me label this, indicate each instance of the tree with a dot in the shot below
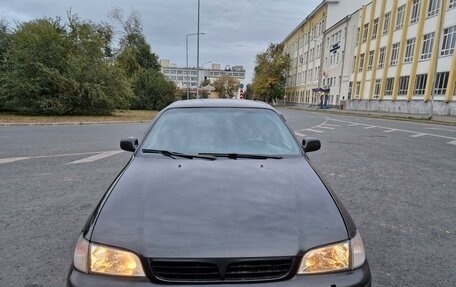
(53, 68)
(248, 93)
(133, 41)
(270, 73)
(226, 86)
(152, 90)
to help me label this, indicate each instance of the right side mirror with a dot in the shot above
(129, 144)
(311, 144)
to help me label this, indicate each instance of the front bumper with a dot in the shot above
(356, 278)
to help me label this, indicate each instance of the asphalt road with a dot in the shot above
(397, 178)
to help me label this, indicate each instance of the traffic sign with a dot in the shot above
(241, 86)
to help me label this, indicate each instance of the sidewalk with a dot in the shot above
(447, 120)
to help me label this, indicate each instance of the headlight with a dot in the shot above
(334, 257)
(95, 258)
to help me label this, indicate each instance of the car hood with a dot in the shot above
(181, 208)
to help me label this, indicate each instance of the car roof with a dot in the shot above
(219, 103)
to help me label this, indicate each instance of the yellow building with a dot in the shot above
(405, 59)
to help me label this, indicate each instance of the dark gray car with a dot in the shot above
(219, 191)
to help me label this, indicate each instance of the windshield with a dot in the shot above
(221, 130)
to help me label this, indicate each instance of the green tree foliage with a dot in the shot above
(270, 73)
(248, 92)
(226, 86)
(55, 68)
(152, 90)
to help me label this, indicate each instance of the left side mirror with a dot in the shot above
(311, 144)
(129, 144)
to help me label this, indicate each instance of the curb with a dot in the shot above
(411, 118)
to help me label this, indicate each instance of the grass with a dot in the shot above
(118, 116)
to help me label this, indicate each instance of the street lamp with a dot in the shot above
(186, 47)
(198, 51)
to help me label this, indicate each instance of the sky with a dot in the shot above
(236, 30)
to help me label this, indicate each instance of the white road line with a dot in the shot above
(312, 130)
(390, 130)
(442, 129)
(331, 125)
(96, 157)
(328, 128)
(300, 134)
(369, 127)
(12, 159)
(418, 135)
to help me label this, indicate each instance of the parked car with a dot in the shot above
(219, 192)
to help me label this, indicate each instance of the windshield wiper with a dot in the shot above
(173, 154)
(241, 155)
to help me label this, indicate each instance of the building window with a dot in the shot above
(441, 82)
(354, 64)
(449, 41)
(386, 23)
(420, 84)
(374, 28)
(370, 60)
(350, 88)
(416, 5)
(389, 86)
(366, 28)
(400, 17)
(452, 4)
(358, 86)
(381, 57)
(394, 54)
(403, 85)
(377, 88)
(433, 8)
(409, 50)
(357, 37)
(428, 41)
(361, 62)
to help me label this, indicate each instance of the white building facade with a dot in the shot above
(184, 77)
(306, 46)
(339, 50)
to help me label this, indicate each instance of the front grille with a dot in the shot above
(185, 271)
(226, 270)
(258, 270)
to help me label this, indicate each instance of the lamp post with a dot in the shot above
(186, 48)
(197, 51)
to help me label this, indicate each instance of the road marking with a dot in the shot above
(415, 134)
(369, 127)
(442, 129)
(331, 125)
(300, 134)
(12, 159)
(96, 157)
(328, 128)
(418, 135)
(312, 130)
